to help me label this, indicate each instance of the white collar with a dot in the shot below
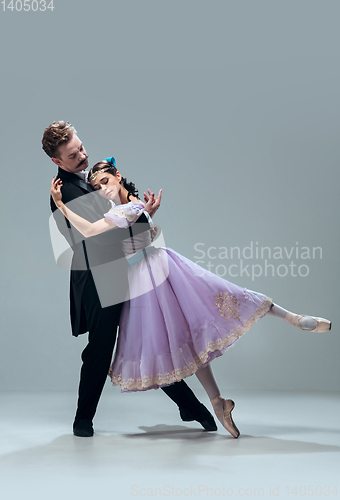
(83, 175)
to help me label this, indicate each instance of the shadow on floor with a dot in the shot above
(154, 447)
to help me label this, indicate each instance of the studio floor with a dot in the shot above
(289, 447)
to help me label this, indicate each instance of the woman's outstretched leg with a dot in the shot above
(309, 323)
(222, 407)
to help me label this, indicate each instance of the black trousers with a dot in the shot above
(97, 356)
(102, 324)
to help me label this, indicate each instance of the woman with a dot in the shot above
(179, 317)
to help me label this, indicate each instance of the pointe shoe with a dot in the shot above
(323, 325)
(223, 408)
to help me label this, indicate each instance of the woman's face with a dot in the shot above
(108, 185)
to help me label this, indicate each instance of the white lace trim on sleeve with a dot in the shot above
(125, 215)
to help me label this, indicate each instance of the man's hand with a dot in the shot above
(152, 203)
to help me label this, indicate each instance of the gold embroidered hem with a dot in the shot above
(221, 345)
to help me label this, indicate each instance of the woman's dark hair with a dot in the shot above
(129, 186)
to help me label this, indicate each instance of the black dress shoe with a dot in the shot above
(202, 415)
(83, 428)
(189, 406)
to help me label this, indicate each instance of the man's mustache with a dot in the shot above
(82, 162)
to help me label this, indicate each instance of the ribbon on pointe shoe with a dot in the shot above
(322, 324)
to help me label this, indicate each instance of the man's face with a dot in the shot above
(72, 156)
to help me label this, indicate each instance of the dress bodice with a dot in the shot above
(124, 216)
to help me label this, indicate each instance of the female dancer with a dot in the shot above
(179, 316)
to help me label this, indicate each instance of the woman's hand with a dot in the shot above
(56, 191)
(155, 201)
(149, 203)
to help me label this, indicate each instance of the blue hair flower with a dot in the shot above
(111, 160)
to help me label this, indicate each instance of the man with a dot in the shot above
(61, 143)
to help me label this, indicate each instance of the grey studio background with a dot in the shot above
(233, 109)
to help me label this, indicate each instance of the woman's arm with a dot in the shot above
(85, 227)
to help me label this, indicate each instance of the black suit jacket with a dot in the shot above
(89, 253)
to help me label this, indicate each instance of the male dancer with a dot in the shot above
(61, 143)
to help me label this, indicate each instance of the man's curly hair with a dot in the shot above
(55, 135)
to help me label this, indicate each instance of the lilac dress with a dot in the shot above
(179, 316)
